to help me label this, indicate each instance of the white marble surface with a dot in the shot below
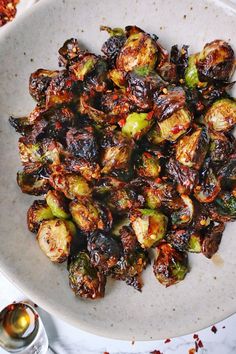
(65, 339)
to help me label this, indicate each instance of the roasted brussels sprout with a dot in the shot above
(122, 200)
(70, 184)
(82, 143)
(149, 226)
(116, 103)
(61, 89)
(171, 265)
(113, 45)
(227, 174)
(29, 152)
(128, 239)
(226, 204)
(148, 166)
(38, 212)
(184, 214)
(191, 73)
(191, 149)
(116, 153)
(179, 57)
(84, 279)
(185, 177)
(139, 50)
(69, 52)
(142, 85)
(90, 215)
(221, 116)
(161, 194)
(171, 100)
(39, 82)
(208, 188)
(58, 205)
(54, 238)
(221, 146)
(211, 241)
(216, 61)
(105, 251)
(137, 124)
(33, 180)
(176, 125)
(82, 67)
(185, 240)
(130, 267)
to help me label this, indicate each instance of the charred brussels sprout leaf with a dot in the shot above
(195, 243)
(38, 212)
(29, 152)
(149, 226)
(212, 239)
(58, 205)
(216, 61)
(113, 45)
(116, 153)
(191, 149)
(54, 238)
(90, 215)
(136, 125)
(69, 52)
(171, 265)
(176, 125)
(82, 143)
(128, 239)
(32, 181)
(221, 146)
(84, 279)
(84, 66)
(116, 104)
(39, 82)
(186, 178)
(209, 187)
(221, 116)
(154, 136)
(227, 174)
(171, 100)
(139, 50)
(105, 251)
(21, 125)
(70, 184)
(226, 204)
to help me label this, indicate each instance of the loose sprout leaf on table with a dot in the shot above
(131, 149)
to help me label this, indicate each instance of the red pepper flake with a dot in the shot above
(106, 353)
(58, 125)
(200, 344)
(158, 180)
(149, 115)
(195, 336)
(156, 352)
(168, 340)
(122, 122)
(176, 129)
(115, 97)
(214, 329)
(147, 154)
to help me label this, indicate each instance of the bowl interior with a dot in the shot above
(208, 293)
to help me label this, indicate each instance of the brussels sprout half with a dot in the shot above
(137, 124)
(208, 189)
(211, 241)
(216, 61)
(176, 125)
(226, 204)
(58, 204)
(32, 181)
(191, 149)
(54, 238)
(221, 146)
(84, 279)
(38, 212)
(221, 116)
(139, 50)
(171, 265)
(90, 215)
(149, 226)
(105, 251)
(191, 73)
(70, 184)
(184, 214)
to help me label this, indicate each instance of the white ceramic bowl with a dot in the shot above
(208, 294)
